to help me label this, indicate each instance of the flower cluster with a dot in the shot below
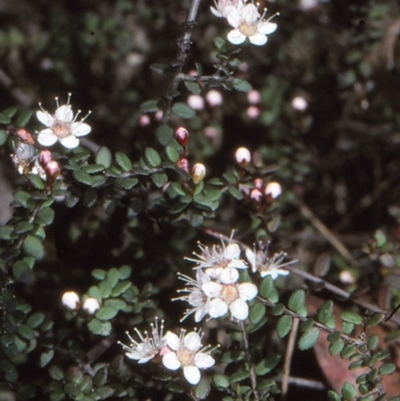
(246, 21)
(184, 351)
(217, 288)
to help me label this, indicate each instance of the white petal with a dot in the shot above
(171, 361)
(172, 340)
(266, 27)
(250, 14)
(233, 16)
(200, 313)
(203, 361)
(47, 137)
(239, 309)
(80, 129)
(272, 273)
(238, 263)
(70, 142)
(247, 291)
(45, 118)
(216, 12)
(192, 341)
(212, 289)
(64, 114)
(192, 374)
(218, 308)
(232, 251)
(251, 257)
(236, 37)
(229, 276)
(258, 39)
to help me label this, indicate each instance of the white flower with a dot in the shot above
(260, 261)
(91, 305)
(248, 23)
(70, 300)
(195, 295)
(186, 352)
(221, 5)
(218, 257)
(149, 347)
(228, 294)
(62, 126)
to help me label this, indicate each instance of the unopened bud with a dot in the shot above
(25, 136)
(196, 102)
(254, 96)
(183, 164)
(258, 183)
(45, 157)
(214, 97)
(91, 305)
(243, 156)
(70, 300)
(53, 169)
(144, 120)
(253, 112)
(256, 195)
(272, 190)
(182, 136)
(198, 173)
(299, 103)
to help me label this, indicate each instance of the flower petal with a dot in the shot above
(232, 251)
(229, 276)
(45, 118)
(216, 12)
(172, 340)
(171, 361)
(64, 114)
(203, 360)
(236, 37)
(192, 374)
(267, 27)
(247, 291)
(80, 129)
(70, 142)
(239, 309)
(218, 308)
(212, 289)
(192, 341)
(258, 39)
(47, 137)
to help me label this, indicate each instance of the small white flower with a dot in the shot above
(271, 266)
(228, 294)
(62, 126)
(248, 23)
(195, 295)
(70, 300)
(149, 347)
(218, 257)
(91, 306)
(186, 352)
(221, 7)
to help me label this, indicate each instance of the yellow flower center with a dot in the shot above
(61, 130)
(229, 294)
(248, 30)
(185, 356)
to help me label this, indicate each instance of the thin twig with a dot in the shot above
(288, 357)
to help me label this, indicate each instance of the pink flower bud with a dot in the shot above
(253, 97)
(53, 169)
(198, 173)
(183, 164)
(253, 112)
(272, 190)
(91, 305)
(242, 156)
(258, 183)
(70, 300)
(45, 157)
(196, 102)
(214, 98)
(299, 103)
(144, 120)
(256, 195)
(182, 136)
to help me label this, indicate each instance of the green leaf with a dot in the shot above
(112, 277)
(202, 390)
(25, 331)
(120, 288)
(83, 177)
(36, 319)
(325, 314)
(46, 357)
(333, 396)
(239, 376)
(193, 87)
(348, 392)
(257, 312)
(352, 317)
(56, 373)
(159, 179)
(152, 157)
(6, 232)
(93, 168)
(297, 303)
(347, 327)
(22, 272)
(95, 293)
(103, 157)
(127, 183)
(164, 134)
(182, 110)
(4, 118)
(336, 347)
(268, 290)
(220, 44)
(236, 193)
(150, 106)
(284, 325)
(308, 339)
(123, 161)
(22, 227)
(99, 328)
(373, 342)
(105, 289)
(45, 216)
(36, 181)
(115, 303)
(159, 68)
(32, 246)
(172, 154)
(242, 85)
(387, 369)
(106, 313)
(374, 319)
(221, 381)
(267, 365)
(105, 392)
(3, 137)
(24, 117)
(99, 274)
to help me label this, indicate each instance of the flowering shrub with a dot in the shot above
(273, 158)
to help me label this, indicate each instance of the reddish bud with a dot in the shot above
(182, 136)
(45, 157)
(53, 169)
(258, 183)
(24, 136)
(256, 195)
(183, 164)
